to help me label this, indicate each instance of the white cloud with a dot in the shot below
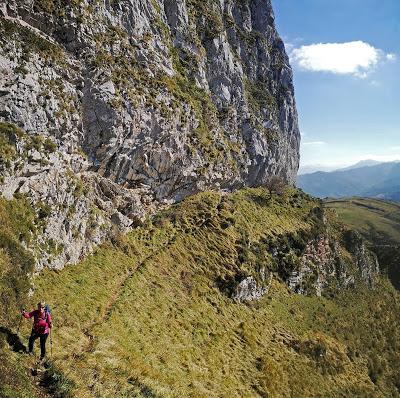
(313, 143)
(375, 83)
(355, 58)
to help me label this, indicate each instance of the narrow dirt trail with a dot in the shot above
(114, 297)
(118, 292)
(119, 289)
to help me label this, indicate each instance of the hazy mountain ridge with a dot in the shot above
(313, 168)
(381, 180)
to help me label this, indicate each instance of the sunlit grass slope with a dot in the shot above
(145, 316)
(379, 222)
(372, 217)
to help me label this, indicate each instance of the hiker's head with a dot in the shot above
(41, 305)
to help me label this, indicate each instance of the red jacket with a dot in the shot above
(41, 322)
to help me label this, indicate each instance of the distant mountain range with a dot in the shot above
(367, 178)
(313, 168)
(358, 165)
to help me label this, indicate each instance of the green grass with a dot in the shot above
(14, 380)
(17, 220)
(379, 222)
(8, 137)
(55, 7)
(144, 316)
(369, 216)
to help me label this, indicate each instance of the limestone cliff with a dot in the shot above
(140, 102)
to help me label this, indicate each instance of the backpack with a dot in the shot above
(40, 328)
(47, 309)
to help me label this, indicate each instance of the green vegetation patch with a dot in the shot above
(145, 315)
(208, 17)
(371, 217)
(56, 7)
(14, 380)
(259, 96)
(30, 42)
(8, 139)
(10, 135)
(17, 220)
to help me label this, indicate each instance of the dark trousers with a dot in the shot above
(43, 338)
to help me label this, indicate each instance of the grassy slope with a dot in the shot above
(143, 316)
(369, 216)
(17, 221)
(379, 222)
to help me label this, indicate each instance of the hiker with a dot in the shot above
(41, 327)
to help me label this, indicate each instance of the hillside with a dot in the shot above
(163, 312)
(379, 181)
(379, 222)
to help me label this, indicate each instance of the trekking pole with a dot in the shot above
(51, 345)
(20, 321)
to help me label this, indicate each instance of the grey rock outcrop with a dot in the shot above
(165, 97)
(323, 265)
(366, 262)
(77, 208)
(249, 289)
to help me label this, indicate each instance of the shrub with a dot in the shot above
(275, 184)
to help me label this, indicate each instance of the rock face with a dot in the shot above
(365, 261)
(169, 97)
(324, 264)
(319, 260)
(178, 95)
(249, 289)
(77, 208)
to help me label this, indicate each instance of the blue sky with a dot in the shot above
(346, 60)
